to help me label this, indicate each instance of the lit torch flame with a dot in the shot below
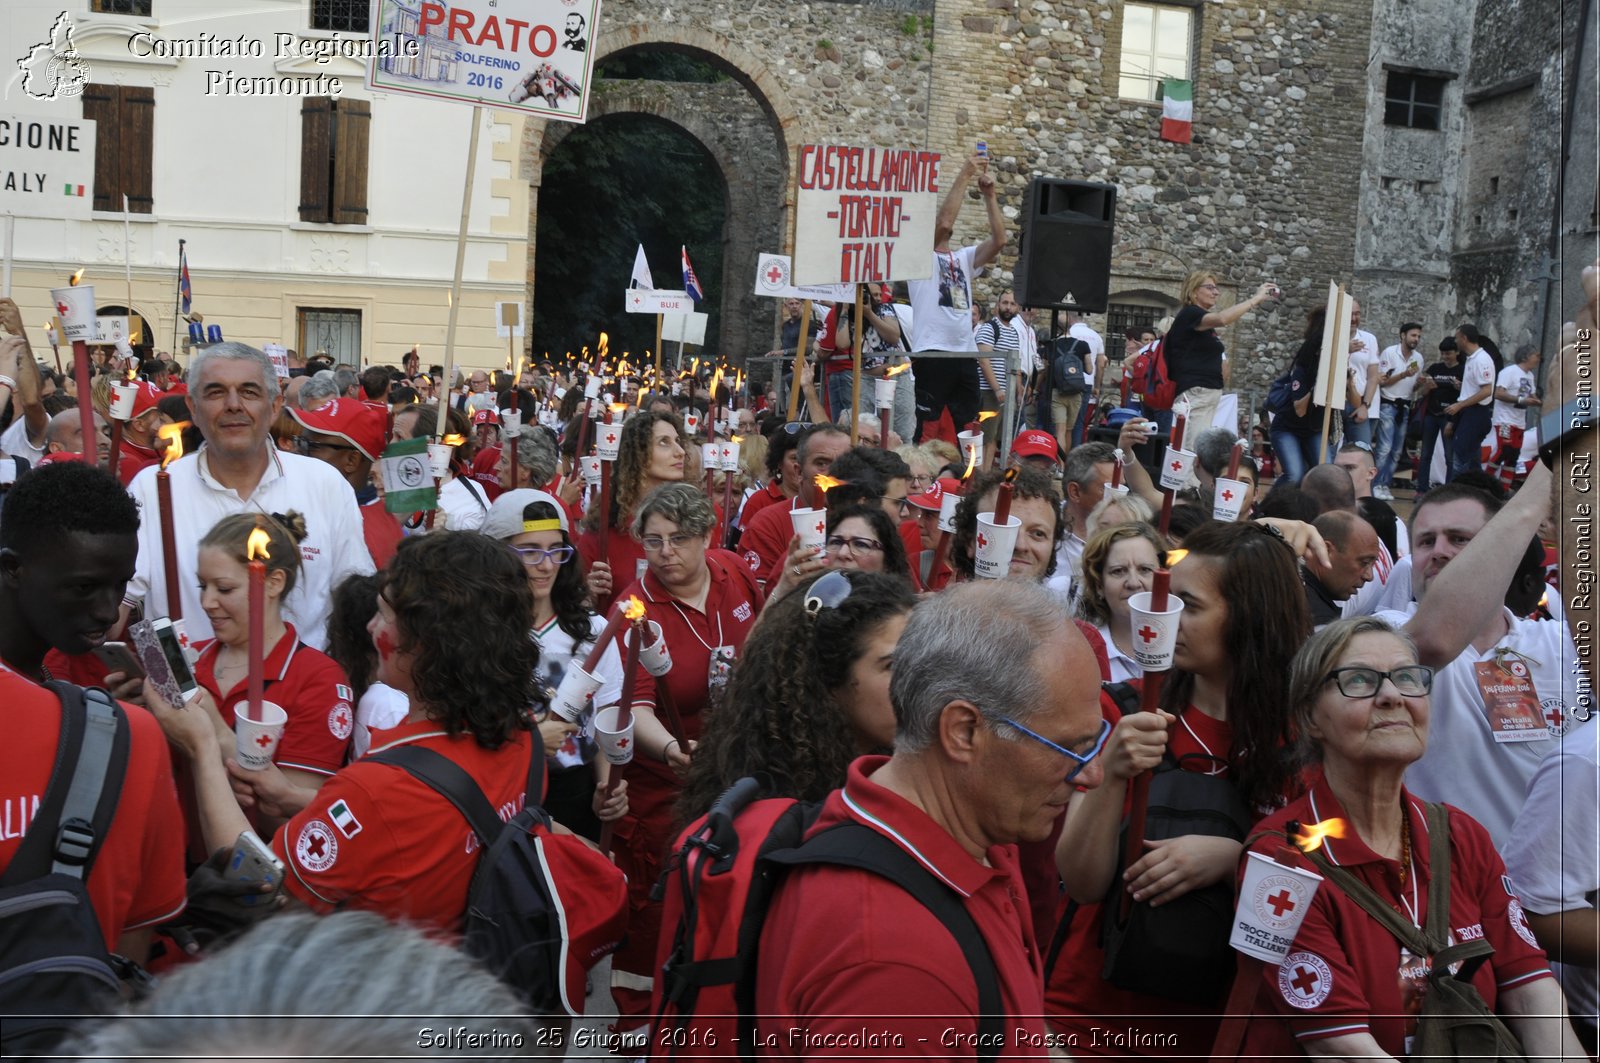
(173, 434)
(826, 483)
(605, 346)
(1010, 475)
(132, 374)
(897, 370)
(256, 546)
(716, 380)
(987, 414)
(1544, 600)
(76, 277)
(619, 407)
(1174, 556)
(454, 439)
(972, 463)
(1311, 834)
(634, 611)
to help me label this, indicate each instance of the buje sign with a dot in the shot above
(525, 55)
(864, 214)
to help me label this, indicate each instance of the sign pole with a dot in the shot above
(127, 262)
(658, 350)
(800, 344)
(10, 247)
(855, 373)
(461, 261)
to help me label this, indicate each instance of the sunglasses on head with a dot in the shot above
(829, 592)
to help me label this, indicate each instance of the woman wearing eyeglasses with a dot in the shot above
(706, 601)
(1222, 713)
(863, 537)
(1350, 989)
(534, 524)
(1193, 349)
(1119, 561)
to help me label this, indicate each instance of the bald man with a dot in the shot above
(1353, 553)
(65, 435)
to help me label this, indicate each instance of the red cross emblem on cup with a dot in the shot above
(821, 527)
(622, 743)
(1281, 902)
(1148, 634)
(263, 740)
(1227, 496)
(611, 437)
(1177, 466)
(63, 309)
(983, 544)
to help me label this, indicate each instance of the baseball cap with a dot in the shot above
(933, 497)
(1036, 443)
(363, 427)
(485, 416)
(505, 514)
(147, 397)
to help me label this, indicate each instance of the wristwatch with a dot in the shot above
(1575, 416)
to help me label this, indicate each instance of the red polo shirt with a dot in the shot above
(1343, 975)
(853, 944)
(769, 495)
(376, 839)
(624, 554)
(137, 879)
(765, 542)
(306, 684)
(133, 458)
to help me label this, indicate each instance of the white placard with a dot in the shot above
(46, 166)
(112, 328)
(501, 311)
(773, 280)
(526, 55)
(657, 301)
(864, 214)
(280, 359)
(689, 328)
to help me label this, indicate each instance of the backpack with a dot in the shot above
(1189, 934)
(1066, 365)
(1281, 396)
(717, 889)
(54, 966)
(542, 907)
(1149, 379)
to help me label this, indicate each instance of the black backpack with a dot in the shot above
(54, 967)
(1067, 366)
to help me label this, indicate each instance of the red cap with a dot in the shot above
(933, 497)
(1035, 443)
(363, 427)
(147, 397)
(485, 416)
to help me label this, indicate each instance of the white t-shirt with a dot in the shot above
(1080, 330)
(380, 708)
(1519, 382)
(556, 651)
(1394, 360)
(1123, 667)
(1477, 373)
(465, 505)
(941, 318)
(14, 441)
(1027, 347)
(1362, 362)
(335, 545)
(1464, 765)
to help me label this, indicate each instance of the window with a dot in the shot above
(1155, 45)
(121, 7)
(124, 117)
(333, 160)
(345, 16)
(1120, 317)
(336, 333)
(1413, 100)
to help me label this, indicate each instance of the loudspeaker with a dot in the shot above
(1065, 257)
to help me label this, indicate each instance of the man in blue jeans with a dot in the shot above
(1400, 366)
(1476, 405)
(1439, 387)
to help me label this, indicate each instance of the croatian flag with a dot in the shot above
(691, 283)
(1177, 110)
(185, 290)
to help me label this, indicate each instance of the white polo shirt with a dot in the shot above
(1365, 361)
(1478, 373)
(335, 546)
(1080, 330)
(1393, 360)
(1464, 765)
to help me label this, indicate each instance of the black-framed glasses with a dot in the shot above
(1411, 680)
(533, 555)
(828, 592)
(1080, 760)
(899, 502)
(656, 543)
(856, 543)
(306, 445)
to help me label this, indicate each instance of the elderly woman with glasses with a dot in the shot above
(534, 525)
(1351, 989)
(706, 602)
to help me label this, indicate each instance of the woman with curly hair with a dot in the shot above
(810, 693)
(1035, 501)
(1223, 712)
(374, 838)
(863, 537)
(1119, 561)
(378, 706)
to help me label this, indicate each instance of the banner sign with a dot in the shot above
(685, 328)
(773, 279)
(657, 301)
(865, 214)
(526, 55)
(46, 166)
(109, 328)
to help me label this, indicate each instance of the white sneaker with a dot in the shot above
(1382, 493)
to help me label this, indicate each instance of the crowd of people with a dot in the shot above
(1398, 680)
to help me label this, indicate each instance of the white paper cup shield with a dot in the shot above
(1175, 469)
(691, 423)
(439, 459)
(971, 447)
(1154, 634)
(811, 525)
(1116, 491)
(75, 307)
(992, 556)
(572, 696)
(730, 457)
(653, 654)
(1228, 502)
(607, 441)
(1273, 902)
(255, 741)
(122, 398)
(947, 511)
(883, 393)
(710, 456)
(511, 423)
(591, 388)
(615, 744)
(590, 463)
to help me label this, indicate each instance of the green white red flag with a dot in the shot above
(1177, 110)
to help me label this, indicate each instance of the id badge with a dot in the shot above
(720, 669)
(1510, 701)
(1413, 977)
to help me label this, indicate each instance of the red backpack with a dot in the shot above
(717, 888)
(1149, 379)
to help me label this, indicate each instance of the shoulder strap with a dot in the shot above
(1438, 921)
(451, 782)
(1369, 901)
(859, 846)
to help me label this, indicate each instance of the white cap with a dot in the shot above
(505, 522)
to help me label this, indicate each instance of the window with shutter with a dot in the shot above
(124, 117)
(316, 158)
(334, 137)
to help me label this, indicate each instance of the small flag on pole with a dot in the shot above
(407, 480)
(691, 283)
(185, 290)
(1177, 110)
(641, 271)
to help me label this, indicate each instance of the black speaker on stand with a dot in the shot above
(1065, 258)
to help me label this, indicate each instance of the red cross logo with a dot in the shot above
(1147, 633)
(1281, 903)
(622, 743)
(183, 640)
(341, 718)
(62, 309)
(1177, 466)
(315, 844)
(1227, 496)
(1305, 980)
(774, 274)
(611, 437)
(821, 527)
(263, 740)
(1556, 717)
(983, 544)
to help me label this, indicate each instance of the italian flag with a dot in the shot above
(1177, 110)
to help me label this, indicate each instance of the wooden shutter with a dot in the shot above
(102, 104)
(137, 147)
(316, 157)
(352, 130)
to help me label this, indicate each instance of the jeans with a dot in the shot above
(1357, 432)
(1432, 426)
(1391, 440)
(1466, 452)
(1296, 454)
(840, 385)
(904, 418)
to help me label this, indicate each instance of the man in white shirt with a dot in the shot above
(20, 385)
(1401, 366)
(1080, 329)
(1472, 412)
(1515, 392)
(233, 398)
(1027, 365)
(1364, 406)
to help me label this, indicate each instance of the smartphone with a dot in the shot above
(117, 657)
(983, 149)
(172, 650)
(253, 862)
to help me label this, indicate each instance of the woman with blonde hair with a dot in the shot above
(1193, 349)
(1119, 561)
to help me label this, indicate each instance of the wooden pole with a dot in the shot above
(800, 345)
(658, 350)
(461, 261)
(855, 372)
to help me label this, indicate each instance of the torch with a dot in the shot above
(826, 483)
(1173, 473)
(75, 306)
(256, 553)
(619, 736)
(173, 434)
(883, 395)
